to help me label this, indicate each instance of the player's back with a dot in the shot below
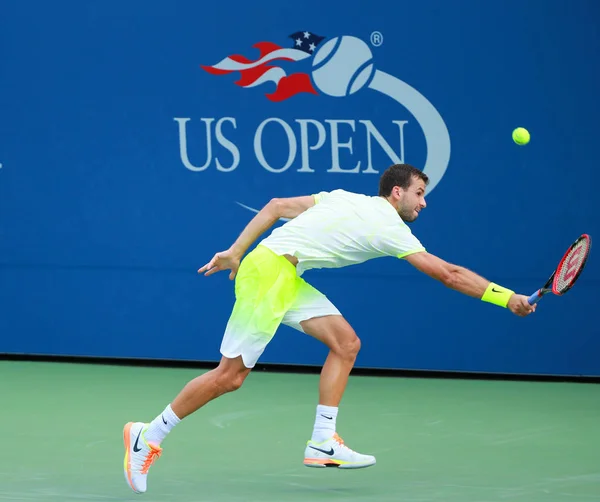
(343, 228)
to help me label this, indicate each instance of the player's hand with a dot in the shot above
(225, 260)
(519, 305)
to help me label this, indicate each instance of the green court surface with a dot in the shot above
(435, 439)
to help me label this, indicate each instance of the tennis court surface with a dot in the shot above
(435, 439)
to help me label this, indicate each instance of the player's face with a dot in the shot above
(411, 200)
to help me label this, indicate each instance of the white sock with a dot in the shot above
(161, 426)
(324, 423)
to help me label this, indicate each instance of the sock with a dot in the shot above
(324, 423)
(161, 426)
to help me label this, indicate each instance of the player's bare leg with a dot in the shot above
(142, 441)
(344, 345)
(326, 448)
(227, 377)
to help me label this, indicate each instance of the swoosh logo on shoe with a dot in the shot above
(326, 452)
(136, 448)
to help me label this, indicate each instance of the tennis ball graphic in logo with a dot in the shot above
(342, 66)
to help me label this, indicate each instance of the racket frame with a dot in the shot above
(550, 286)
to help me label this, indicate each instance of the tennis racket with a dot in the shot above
(568, 270)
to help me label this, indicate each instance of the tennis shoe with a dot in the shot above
(139, 455)
(334, 453)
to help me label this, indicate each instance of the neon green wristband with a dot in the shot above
(497, 295)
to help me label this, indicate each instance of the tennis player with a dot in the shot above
(327, 230)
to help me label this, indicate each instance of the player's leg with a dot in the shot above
(344, 345)
(265, 289)
(142, 441)
(315, 315)
(227, 377)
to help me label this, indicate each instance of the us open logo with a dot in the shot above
(337, 68)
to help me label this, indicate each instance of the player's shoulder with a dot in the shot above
(339, 195)
(340, 192)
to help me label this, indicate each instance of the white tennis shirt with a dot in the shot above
(342, 229)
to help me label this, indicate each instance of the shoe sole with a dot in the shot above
(322, 463)
(126, 465)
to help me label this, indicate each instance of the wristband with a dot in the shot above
(497, 295)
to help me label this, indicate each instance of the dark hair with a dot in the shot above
(399, 175)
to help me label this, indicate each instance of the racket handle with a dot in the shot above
(535, 297)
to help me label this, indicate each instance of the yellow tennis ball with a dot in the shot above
(521, 136)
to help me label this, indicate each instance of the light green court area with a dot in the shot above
(435, 440)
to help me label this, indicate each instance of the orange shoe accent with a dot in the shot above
(154, 453)
(321, 461)
(127, 441)
(338, 439)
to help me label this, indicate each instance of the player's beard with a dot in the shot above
(407, 213)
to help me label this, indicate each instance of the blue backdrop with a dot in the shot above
(130, 153)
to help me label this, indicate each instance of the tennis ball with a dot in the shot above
(521, 136)
(342, 66)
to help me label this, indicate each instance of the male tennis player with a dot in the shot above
(327, 230)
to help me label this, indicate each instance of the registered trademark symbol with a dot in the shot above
(376, 38)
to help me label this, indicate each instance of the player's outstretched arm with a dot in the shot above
(470, 283)
(287, 208)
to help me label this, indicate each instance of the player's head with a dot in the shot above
(404, 187)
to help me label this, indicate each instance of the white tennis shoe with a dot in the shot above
(334, 453)
(139, 455)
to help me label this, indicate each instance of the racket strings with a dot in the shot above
(571, 266)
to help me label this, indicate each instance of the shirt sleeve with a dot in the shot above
(320, 196)
(400, 242)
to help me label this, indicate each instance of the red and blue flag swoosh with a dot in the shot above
(268, 68)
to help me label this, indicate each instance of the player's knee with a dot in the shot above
(349, 347)
(230, 382)
(237, 381)
(230, 376)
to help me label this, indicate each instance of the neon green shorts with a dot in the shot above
(268, 292)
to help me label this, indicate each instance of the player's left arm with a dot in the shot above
(469, 283)
(452, 276)
(289, 208)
